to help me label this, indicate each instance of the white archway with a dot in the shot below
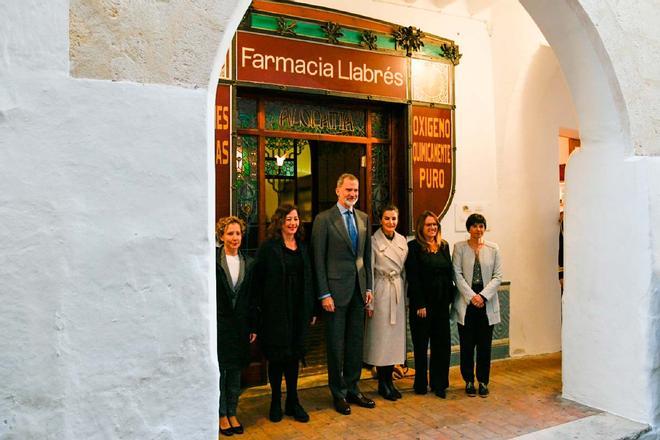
(603, 186)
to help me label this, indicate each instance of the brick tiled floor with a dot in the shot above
(525, 397)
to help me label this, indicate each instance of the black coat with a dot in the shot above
(281, 337)
(234, 323)
(429, 286)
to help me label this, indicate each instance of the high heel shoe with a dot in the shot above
(226, 431)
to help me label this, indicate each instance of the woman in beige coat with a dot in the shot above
(385, 334)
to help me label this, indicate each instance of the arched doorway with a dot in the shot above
(596, 210)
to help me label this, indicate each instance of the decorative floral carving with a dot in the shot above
(408, 38)
(332, 32)
(286, 27)
(368, 39)
(451, 52)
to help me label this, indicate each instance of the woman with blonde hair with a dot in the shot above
(429, 272)
(235, 319)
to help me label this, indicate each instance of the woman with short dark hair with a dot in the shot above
(478, 274)
(283, 294)
(430, 274)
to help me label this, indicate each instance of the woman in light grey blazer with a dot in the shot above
(478, 274)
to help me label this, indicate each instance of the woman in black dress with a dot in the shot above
(285, 301)
(430, 291)
(235, 320)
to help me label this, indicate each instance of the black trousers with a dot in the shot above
(434, 329)
(476, 333)
(290, 371)
(344, 333)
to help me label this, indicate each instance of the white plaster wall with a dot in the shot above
(106, 265)
(532, 103)
(106, 262)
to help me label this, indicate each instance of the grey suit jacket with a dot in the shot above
(335, 264)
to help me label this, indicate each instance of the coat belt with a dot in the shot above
(394, 278)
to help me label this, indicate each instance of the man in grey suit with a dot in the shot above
(342, 259)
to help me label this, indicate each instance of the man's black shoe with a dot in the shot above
(342, 406)
(441, 393)
(470, 390)
(360, 400)
(483, 390)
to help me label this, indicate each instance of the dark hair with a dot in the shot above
(388, 207)
(419, 228)
(277, 221)
(475, 219)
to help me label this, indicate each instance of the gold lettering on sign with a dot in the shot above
(432, 152)
(334, 121)
(222, 125)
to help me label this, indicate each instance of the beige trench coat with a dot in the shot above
(385, 334)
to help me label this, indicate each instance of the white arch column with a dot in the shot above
(608, 346)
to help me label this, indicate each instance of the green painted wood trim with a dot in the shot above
(263, 22)
(313, 30)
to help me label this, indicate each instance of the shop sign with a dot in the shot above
(432, 159)
(275, 60)
(222, 150)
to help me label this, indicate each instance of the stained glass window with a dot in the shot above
(246, 188)
(247, 113)
(380, 125)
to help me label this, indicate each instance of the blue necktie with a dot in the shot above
(352, 233)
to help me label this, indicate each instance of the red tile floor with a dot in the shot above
(525, 397)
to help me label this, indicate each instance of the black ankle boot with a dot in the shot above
(275, 413)
(385, 390)
(396, 392)
(295, 409)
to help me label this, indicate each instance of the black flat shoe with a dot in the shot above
(483, 390)
(360, 400)
(341, 406)
(469, 389)
(275, 413)
(295, 410)
(441, 393)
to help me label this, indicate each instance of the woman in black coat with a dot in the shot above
(431, 290)
(282, 291)
(235, 321)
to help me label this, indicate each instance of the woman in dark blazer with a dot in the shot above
(430, 291)
(235, 324)
(283, 293)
